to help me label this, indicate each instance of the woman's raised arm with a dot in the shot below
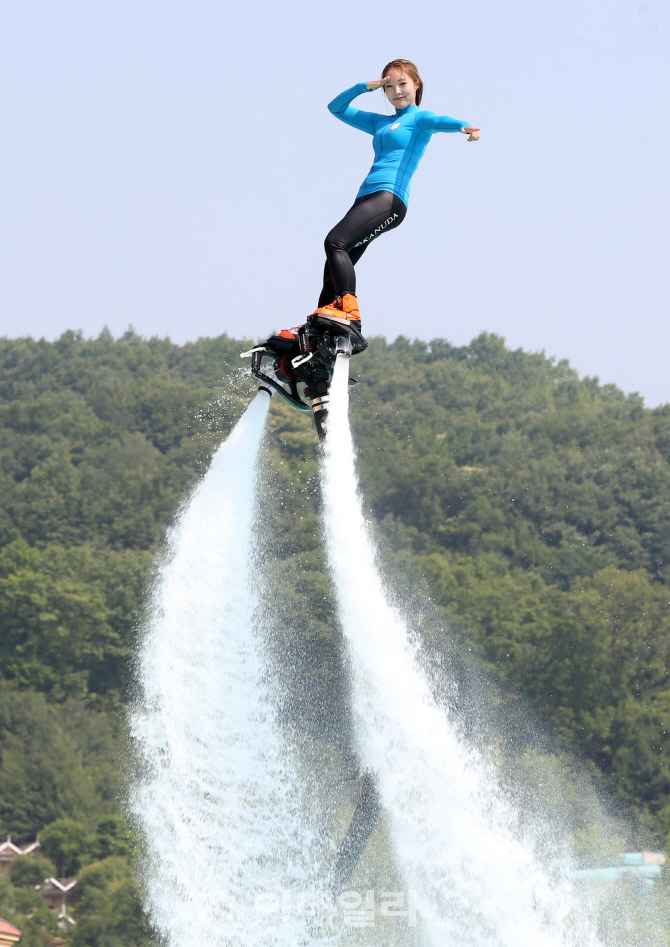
(341, 108)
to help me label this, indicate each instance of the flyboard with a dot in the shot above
(298, 365)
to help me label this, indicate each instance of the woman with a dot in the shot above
(399, 142)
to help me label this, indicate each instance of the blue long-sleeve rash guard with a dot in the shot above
(399, 140)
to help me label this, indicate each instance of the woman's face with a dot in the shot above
(400, 89)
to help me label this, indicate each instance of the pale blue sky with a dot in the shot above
(172, 165)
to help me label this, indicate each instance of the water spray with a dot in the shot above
(215, 800)
(457, 835)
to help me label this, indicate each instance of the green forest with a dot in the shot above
(532, 506)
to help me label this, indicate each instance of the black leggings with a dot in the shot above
(370, 216)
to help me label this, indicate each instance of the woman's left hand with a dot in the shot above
(472, 132)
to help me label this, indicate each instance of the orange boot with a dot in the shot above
(350, 308)
(333, 310)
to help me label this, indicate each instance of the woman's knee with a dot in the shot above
(334, 242)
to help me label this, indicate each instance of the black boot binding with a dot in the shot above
(307, 360)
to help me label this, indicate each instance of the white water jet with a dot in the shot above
(456, 832)
(214, 801)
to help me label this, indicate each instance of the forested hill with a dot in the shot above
(536, 503)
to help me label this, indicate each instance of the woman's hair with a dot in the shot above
(409, 69)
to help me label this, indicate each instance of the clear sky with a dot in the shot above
(172, 165)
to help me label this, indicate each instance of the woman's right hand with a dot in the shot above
(377, 83)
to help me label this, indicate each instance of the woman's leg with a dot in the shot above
(370, 216)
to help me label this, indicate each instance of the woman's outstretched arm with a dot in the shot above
(340, 107)
(430, 122)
